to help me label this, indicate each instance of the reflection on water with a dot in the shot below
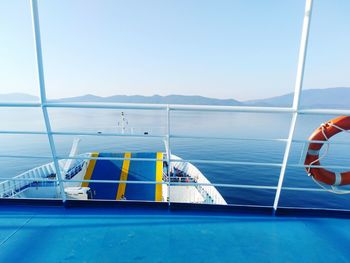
(238, 125)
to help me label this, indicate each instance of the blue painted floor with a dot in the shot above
(138, 171)
(57, 234)
(106, 170)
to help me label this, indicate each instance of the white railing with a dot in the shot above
(44, 104)
(10, 188)
(202, 183)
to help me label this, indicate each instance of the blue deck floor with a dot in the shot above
(58, 234)
(140, 170)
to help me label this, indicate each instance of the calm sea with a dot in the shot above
(209, 124)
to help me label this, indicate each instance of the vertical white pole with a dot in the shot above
(297, 94)
(169, 150)
(40, 68)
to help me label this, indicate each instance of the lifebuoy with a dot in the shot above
(323, 133)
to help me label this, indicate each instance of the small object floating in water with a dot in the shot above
(145, 133)
(323, 133)
(99, 132)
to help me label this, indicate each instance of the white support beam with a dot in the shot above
(40, 69)
(297, 95)
(168, 152)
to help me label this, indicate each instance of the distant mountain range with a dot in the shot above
(312, 98)
(17, 97)
(156, 99)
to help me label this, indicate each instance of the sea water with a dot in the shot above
(221, 136)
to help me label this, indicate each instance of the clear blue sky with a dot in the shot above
(225, 49)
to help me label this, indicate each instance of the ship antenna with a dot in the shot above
(123, 122)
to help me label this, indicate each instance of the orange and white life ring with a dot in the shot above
(323, 133)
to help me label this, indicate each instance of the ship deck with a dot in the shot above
(155, 233)
(123, 170)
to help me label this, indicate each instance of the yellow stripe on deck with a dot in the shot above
(159, 176)
(90, 169)
(123, 177)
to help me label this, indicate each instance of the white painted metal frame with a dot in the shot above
(297, 94)
(295, 110)
(168, 151)
(40, 68)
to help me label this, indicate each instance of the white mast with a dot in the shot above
(123, 122)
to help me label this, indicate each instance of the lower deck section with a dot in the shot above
(126, 170)
(121, 234)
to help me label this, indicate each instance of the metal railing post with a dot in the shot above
(297, 95)
(40, 72)
(168, 151)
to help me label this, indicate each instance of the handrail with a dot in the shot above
(208, 161)
(176, 107)
(244, 186)
(109, 134)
